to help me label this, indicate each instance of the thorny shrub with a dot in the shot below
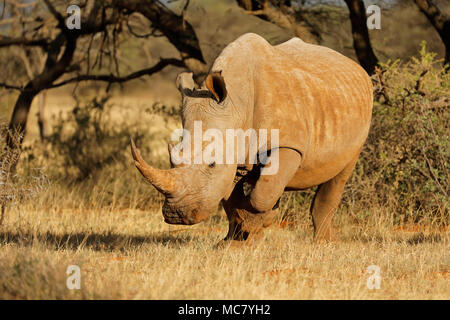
(405, 162)
(15, 187)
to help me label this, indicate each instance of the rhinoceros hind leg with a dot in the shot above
(326, 200)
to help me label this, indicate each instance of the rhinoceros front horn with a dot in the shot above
(164, 181)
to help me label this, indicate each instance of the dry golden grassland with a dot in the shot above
(394, 213)
(132, 254)
(111, 226)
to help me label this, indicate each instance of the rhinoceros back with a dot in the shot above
(319, 100)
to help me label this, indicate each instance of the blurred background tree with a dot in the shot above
(120, 41)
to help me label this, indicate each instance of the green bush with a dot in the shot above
(405, 163)
(86, 140)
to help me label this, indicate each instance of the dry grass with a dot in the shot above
(133, 254)
(111, 227)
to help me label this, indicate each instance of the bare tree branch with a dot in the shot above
(179, 32)
(282, 14)
(10, 87)
(58, 16)
(110, 78)
(7, 41)
(102, 27)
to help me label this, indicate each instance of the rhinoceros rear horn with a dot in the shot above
(163, 180)
(216, 85)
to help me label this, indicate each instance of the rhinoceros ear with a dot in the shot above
(216, 85)
(185, 81)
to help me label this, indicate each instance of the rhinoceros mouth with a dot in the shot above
(174, 215)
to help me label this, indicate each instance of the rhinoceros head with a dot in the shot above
(194, 190)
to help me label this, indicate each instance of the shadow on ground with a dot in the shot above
(94, 241)
(414, 239)
(116, 241)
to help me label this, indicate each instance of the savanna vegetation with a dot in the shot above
(70, 194)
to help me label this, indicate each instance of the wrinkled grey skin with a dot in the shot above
(199, 187)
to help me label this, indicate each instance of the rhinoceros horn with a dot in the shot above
(165, 181)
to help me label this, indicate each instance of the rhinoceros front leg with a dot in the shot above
(243, 224)
(249, 214)
(269, 188)
(326, 200)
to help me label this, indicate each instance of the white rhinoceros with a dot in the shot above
(319, 102)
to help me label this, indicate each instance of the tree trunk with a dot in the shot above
(53, 70)
(439, 21)
(360, 33)
(2, 216)
(42, 119)
(19, 118)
